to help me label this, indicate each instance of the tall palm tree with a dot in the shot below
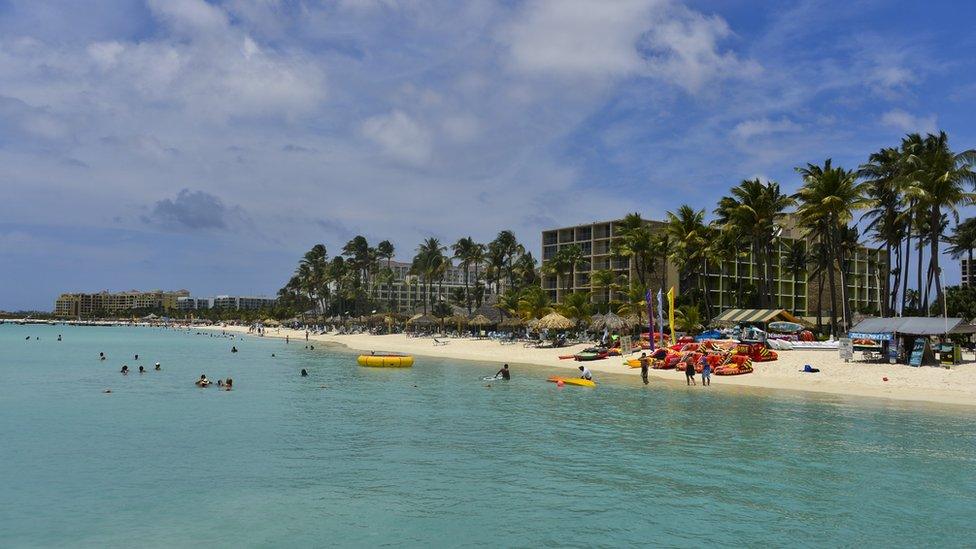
(604, 279)
(937, 177)
(385, 251)
(635, 240)
(687, 231)
(476, 257)
(755, 209)
(508, 247)
(429, 264)
(827, 200)
(462, 251)
(533, 302)
(576, 306)
(884, 176)
(796, 264)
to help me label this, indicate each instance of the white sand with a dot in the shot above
(955, 386)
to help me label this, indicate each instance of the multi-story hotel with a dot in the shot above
(406, 294)
(236, 302)
(725, 283)
(968, 275)
(85, 304)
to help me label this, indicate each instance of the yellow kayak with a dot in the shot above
(573, 381)
(385, 361)
(633, 363)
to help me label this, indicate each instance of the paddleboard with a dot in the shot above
(573, 381)
(495, 377)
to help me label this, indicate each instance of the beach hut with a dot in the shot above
(480, 321)
(554, 321)
(456, 321)
(492, 312)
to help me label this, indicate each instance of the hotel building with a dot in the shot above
(87, 304)
(968, 276)
(405, 293)
(866, 269)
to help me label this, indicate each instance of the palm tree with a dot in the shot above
(573, 257)
(462, 251)
(635, 302)
(687, 232)
(385, 250)
(827, 200)
(476, 258)
(937, 176)
(429, 264)
(754, 209)
(576, 306)
(525, 271)
(604, 279)
(796, 264)
(635, 241)
(687, 318)
(507, 247)
(883, 175)
(533, 303)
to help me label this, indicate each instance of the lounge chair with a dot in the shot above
(439, 342)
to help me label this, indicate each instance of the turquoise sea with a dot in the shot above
(431, 457)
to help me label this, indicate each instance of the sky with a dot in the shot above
(207, 144)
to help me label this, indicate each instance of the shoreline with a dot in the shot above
(954, 387)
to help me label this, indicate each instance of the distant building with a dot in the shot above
(193, 303)
(239, 303)
(968, 276)
(88, 304)
(405, 293)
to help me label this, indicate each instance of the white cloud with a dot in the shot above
(594, 38)
(193, 16)
(763, 126)
(908, 122)
(400, 136)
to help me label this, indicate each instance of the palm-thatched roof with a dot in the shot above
(480, 320)
(492, 312)
(271, 322)
(456, 319)
(423, 320)
(511, 322)
(612, 323)
(555, 321)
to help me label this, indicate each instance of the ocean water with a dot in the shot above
(431, 457)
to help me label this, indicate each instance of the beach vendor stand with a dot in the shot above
(909, 339)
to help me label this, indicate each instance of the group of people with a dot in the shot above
(225, 384)
(125, 367)
(689, 367)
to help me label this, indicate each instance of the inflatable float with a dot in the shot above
(385, 361)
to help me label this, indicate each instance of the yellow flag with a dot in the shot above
(671, 312)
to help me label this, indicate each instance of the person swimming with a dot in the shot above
(304, 372)
(229, 384)
(142, 370)
(158, 367)
(59, 337)
(233, 349)
(125, 370)
(136, 357)
(203, 381)
(101, 356)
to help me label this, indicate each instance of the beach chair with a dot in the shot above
(439, 342)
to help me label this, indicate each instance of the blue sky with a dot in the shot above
(206, 145)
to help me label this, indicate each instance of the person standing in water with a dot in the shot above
(504, 372)
(690, 373)
(706, 374)
(645, 366)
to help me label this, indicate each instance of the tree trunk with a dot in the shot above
(921, 299)
(934, 252)
(908, 257)
(820, 282)
(831, 276)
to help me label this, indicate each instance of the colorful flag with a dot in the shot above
(650, 316)
(671, 312)
(660, 311)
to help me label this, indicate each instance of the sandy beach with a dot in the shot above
(955, 386)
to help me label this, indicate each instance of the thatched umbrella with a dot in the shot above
(423, 320)
(480, 321)
(271, 322)
(511, 323)
(456, 320)
(595, 320)
(612, 323)
(555, 321)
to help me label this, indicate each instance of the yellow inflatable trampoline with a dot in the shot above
(385, 361)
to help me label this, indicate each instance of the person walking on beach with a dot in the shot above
(645, 365)
(706, 374)
(690, 373)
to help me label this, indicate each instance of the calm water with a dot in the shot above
(431, 457)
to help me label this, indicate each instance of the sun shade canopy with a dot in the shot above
(913, 325)
(733, 316)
